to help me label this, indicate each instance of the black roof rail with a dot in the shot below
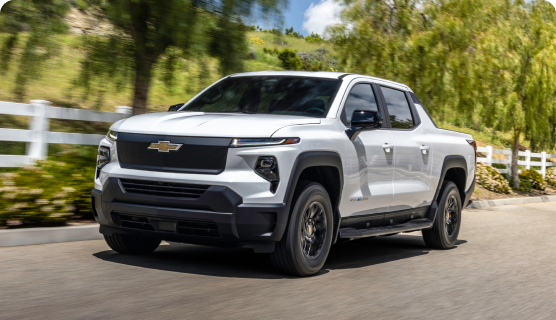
(344, 75)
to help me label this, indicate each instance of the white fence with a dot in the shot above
(38, 136)
(543, 164)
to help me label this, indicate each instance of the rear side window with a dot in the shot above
(398, 109)
(361, 97)
(417, 101)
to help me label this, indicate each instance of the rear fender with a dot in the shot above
(450, 162)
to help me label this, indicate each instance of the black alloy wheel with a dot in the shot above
(313, 235)
(306, 242)
(445, 230)
(451, 215)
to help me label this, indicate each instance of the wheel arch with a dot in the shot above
(324, 167)
(454, 168)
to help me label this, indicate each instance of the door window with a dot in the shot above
(361, 97)
(398, 109)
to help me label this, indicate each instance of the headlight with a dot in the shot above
(237, 143)
(103, 157)
(112, 135)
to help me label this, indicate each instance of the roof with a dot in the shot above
(318, 74)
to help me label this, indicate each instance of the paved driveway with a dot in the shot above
(504, 267)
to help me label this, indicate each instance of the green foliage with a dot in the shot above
(319, 60)
(31, 26)
(49, 192)
(294, 34)
(485, 63)
(491, 179)
(530, 177)
(289, 59)
(551, 176)
(148, 32)
(314, 37)
(525, 186)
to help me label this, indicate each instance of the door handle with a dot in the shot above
(425, 149)
(387, 147)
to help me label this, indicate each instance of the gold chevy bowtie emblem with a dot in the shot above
(164, 146)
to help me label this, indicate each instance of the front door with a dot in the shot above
(374, 170)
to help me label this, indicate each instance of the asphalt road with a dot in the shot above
(504, 267)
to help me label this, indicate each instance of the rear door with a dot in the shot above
(371, 180)
(413, 152)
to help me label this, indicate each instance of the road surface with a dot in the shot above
(504, 267)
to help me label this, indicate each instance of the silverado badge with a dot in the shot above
(164, 146)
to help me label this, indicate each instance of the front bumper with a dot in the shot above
(218, 218)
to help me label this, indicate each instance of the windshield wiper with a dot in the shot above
(248, 112)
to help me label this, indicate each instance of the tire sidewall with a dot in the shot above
(312, 192)
(449, 189)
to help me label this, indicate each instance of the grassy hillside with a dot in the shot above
(56, 84)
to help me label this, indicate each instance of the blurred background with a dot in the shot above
(484, 67)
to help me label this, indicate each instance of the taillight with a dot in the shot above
(474, 145)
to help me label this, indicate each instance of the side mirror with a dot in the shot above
(364, 119)
(175, 107)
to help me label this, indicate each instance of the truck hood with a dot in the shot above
(232, 125)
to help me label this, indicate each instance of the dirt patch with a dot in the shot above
(484, 194)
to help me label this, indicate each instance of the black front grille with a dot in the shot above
(195, 155)
(196, 228)
(164, 189)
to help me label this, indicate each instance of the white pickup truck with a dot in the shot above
(285, 163)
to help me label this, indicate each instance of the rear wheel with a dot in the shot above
(306, 242)
(130, 244)
(445, 230)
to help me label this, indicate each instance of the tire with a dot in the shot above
(130, 244)
(445, 230)
(306, 243)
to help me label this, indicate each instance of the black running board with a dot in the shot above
(412, 225)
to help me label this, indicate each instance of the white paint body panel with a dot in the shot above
(403, 178)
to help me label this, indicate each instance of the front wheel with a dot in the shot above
(130, 244)
(307, 240)
(445, 230)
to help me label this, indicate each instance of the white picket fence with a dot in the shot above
(543, 156)
(38, 136)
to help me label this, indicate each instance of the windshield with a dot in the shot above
(298, 96)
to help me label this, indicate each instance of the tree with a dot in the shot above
(518, 64)
(33, 25)
(482, 63)
(149, 30)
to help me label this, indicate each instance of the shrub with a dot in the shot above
(294, 34)
(525, 186)
(289, 59)
(314, 37)
(533, 178)
(317, 60)
(551, 176)
(491, 179)
(49, 192)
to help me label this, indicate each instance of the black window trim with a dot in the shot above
(412, 109)
(378, 95)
